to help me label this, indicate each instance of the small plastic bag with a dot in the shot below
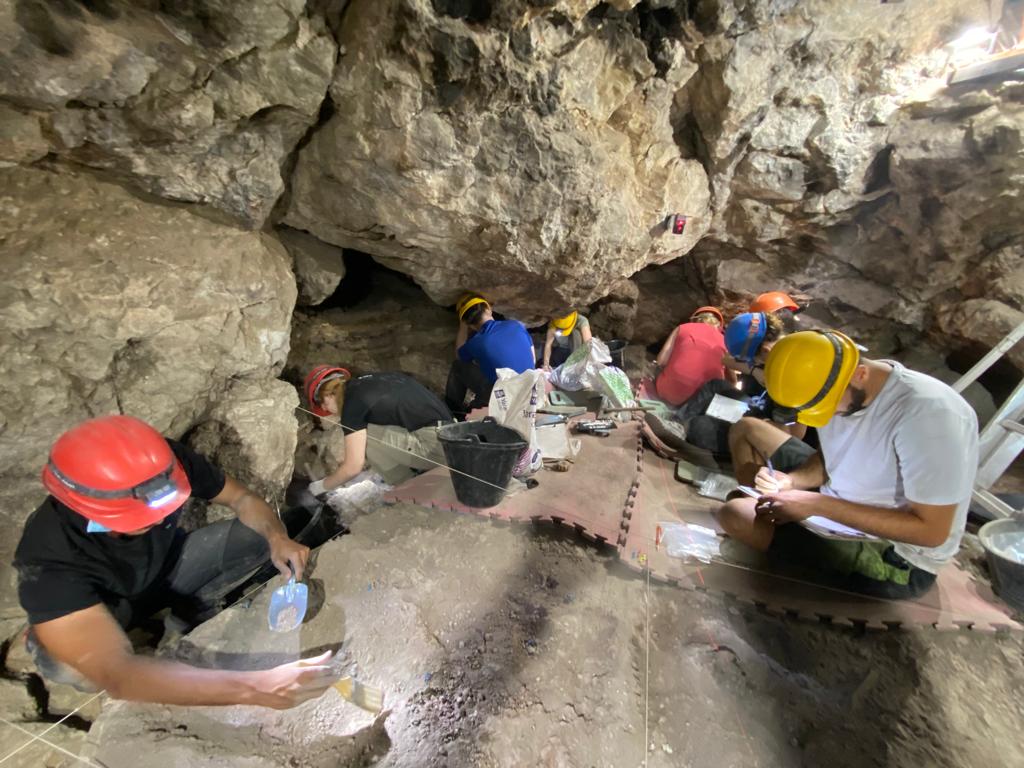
(717, 486)
(614, 385)
(581, 369)
(689, 541)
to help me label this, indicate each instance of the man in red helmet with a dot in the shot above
(104, 552)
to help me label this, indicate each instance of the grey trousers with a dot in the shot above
(398, 455)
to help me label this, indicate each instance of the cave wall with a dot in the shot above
(842, 170)
(523, 151)
(193, 100)
(111, 303)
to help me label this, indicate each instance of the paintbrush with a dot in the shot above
(364, 696)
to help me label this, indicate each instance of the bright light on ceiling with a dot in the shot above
(972, 38)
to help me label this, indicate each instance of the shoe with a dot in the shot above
(667, 429)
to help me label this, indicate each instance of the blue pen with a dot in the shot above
(771, 469)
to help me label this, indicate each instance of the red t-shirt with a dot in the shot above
(696, 359)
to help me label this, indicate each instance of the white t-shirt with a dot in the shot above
(917, 441)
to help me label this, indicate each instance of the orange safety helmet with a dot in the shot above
(316, 379)
(773, 301)
(709, 310)
(118, 472)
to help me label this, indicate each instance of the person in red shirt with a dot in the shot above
(691, 356)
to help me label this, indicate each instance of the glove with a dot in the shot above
(317, 488)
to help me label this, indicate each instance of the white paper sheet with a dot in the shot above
(726, 409)
(831, 529)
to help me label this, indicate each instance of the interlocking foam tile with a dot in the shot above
(590, 496)
(956, 602)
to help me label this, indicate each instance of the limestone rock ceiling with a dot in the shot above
(175, 176)
(202, 102)
(531, 158)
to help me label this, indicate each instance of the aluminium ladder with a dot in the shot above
(1002, 439)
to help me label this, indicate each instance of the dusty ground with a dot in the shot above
(504, 646)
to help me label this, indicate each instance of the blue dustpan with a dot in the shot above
(287, 606)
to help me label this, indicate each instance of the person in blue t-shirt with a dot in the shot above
(483, 345)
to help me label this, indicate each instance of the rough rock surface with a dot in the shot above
(200, 101)
(319, 267)
(250, 433)
(504, 148)
(320, 448)
(141, 308)
(841, 168)
(500, 646)
(393, 327)
(125, 307)
(666, 296)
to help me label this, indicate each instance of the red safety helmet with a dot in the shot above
(316, 379)
(773, 301)
(709, 310)
(116, 471)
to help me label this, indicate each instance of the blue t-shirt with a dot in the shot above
(499, 344)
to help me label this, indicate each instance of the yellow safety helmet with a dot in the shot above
(469, 300)
(807, 373)
(566, 324)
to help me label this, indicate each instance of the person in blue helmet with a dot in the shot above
(757, 437)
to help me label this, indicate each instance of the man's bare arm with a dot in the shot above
(253, 511)
(91, 642)
(925, 525)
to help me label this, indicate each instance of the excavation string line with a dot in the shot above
(403, 450)
(551, 509)
(715, 646)
(40, 736)
(647, 668)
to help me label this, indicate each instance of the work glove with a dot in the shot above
(317, 488)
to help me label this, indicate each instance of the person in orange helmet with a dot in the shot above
(104, 551)
(779, 304)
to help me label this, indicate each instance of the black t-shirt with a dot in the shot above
(63, 569)
(391, 399)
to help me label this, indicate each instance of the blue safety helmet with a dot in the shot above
(743, 336)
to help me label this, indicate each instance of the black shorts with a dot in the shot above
(791, 454)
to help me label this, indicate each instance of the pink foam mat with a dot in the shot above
(618, 493)
(590, 496)
(957, 601)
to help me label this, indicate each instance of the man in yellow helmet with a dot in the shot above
(899, 451)
(482, 345)
(565, 335)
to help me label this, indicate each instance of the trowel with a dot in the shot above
(287, 606)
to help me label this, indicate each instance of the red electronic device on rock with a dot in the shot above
(676, 223)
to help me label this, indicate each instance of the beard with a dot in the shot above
(857, 399)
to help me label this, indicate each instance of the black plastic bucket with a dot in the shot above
(1003, 541)
(484, 450)
(617, 349)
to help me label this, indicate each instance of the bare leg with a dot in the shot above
(750, 441)
(738, 519)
